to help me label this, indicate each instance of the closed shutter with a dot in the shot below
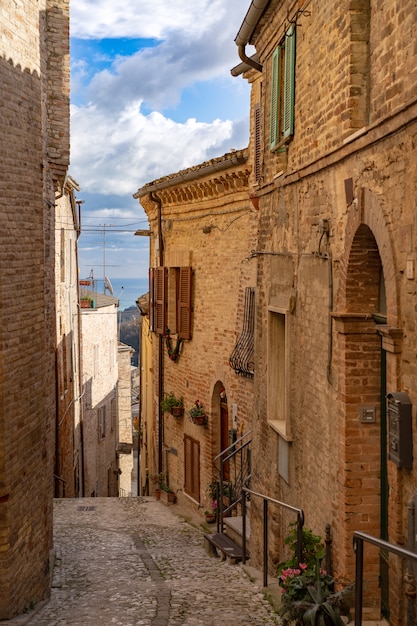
(289, 83)
(184, 303)
(192, 467)
(257, 149)
(275, 88)
(151, 299)
(160, 299)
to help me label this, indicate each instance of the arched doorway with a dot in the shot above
(221, 437)
(362, 376)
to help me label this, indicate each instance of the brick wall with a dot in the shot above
(207, 224)
(328, 287)
(27, 336)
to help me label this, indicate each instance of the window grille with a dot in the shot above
(242, 358)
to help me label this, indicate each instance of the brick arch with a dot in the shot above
(367, 227)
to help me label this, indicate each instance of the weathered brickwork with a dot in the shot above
(68, 450)
(207, 224)
(28, 183)
(354, 128)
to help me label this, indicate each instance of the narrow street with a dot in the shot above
(134, 561)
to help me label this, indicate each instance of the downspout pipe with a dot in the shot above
(154, 198)
(250, 22)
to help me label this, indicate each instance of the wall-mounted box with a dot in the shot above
(400, 437)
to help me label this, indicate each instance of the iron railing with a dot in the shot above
(300, 523)
(358, 540)
(63, 483)
(233, 467)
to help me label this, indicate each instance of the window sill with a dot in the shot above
(280, 427)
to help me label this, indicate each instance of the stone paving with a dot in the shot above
(133, 561)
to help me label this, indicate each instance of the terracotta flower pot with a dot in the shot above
(200, 420)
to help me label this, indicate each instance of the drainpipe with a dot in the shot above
(247, 29)
(158, 203)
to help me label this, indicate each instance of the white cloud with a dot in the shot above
(115, 146)
(117, 154)
(99, 19)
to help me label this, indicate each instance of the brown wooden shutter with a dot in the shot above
(160, 299)
(192, 467)
(151, 299)
(184, 303)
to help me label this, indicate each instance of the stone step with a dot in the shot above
(233, 528)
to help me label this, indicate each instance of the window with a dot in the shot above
(242, 357)
(282, 91)
(192, 467)
(113, 413)
(101, 422)
(170, 300)
(277, 371)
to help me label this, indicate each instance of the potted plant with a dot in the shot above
(167, 495)
(210, 516)
(308, 596)
(158, 481)
(86, 303)
(197, 414)
(171, 404)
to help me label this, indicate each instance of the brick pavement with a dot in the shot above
(133, 561)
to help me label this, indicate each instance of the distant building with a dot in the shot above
(69, 445)
(34, 147)
(99, 347)
(124, 426)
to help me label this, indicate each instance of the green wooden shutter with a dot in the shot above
(257, 142)
(289, 84)
(184, 303)
(160, 299)
(275, 88)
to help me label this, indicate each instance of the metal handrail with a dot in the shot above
(230, 448)
(63, 481)
(239, 453)
(289, 507)
(358, 540)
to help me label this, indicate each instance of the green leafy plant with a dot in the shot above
(157, 479)
(308, 596)
(197, 410)
(170, 401)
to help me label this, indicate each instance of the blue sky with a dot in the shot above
(151, 94)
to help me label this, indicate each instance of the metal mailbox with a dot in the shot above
(400, 439)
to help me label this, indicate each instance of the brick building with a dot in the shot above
(99, 347)
(69, 446)
(333, 167)
(34, 145)
(202, 231)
